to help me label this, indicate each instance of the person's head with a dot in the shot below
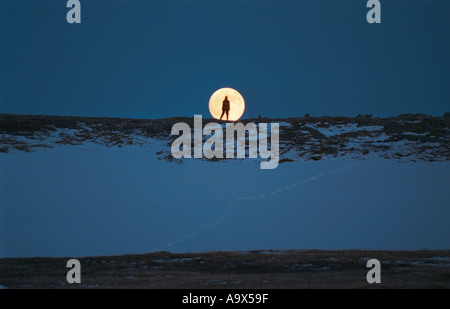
(226, 97)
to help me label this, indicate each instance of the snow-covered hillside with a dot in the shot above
(98, 186)
(406, 137)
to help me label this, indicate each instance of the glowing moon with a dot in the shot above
(237, 104)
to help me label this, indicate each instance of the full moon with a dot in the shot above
(237, 104)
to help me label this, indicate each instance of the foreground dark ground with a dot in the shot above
(291, 269)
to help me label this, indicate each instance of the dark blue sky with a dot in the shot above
(154, 59)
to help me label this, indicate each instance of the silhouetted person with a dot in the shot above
(225, 107)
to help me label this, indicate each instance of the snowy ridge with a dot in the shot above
(406, 137)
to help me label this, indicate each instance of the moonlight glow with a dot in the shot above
(237, 104)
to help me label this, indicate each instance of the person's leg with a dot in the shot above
(223, 112)
(227, 114)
